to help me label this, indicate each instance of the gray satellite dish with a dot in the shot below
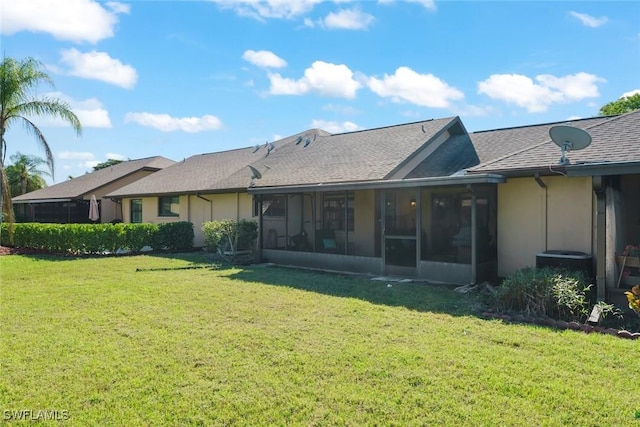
(569, 138)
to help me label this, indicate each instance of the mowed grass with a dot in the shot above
(275, 346)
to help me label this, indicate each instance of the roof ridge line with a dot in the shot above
(450, 118)
(548, 123)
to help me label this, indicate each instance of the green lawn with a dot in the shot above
(109, 345)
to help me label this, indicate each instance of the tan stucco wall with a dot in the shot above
(110, 210)
(532, 219)
(197, 210)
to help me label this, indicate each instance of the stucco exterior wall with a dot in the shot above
(109, 209)
(196, 210)
(532, 219)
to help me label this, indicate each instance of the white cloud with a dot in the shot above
(117, 7)
(90, 112)
(571, 118)
(537, 97)
(99, 66)
(588, 20)
(264, 59)
(348, 19)
(341, 109)
(427, 4)
(334, 127)
(281, 9)
(89, 164)
(166, 123)
(116, 156)
(323, 78)
(474, 110)
(425, 90)
(73, 20)
(75, 155)
(630, 93)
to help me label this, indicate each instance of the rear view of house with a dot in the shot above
(426, 200)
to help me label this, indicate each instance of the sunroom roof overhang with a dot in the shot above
(34, 201)
(439, 181)
(604, 168)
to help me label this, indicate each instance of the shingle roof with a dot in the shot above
(224, 170)
(88, 183)
(614, 139)
(495, 143)
(457, 154)
(354, 156)
(365, 155)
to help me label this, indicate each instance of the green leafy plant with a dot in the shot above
(174, 236)
(77, 239)
(229, 235)
(609, 311)
(544, 292)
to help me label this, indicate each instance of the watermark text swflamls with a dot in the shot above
(35, 415)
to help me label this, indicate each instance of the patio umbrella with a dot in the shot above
(94, 212)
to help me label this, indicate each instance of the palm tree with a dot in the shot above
(18, 80)
(24, 176)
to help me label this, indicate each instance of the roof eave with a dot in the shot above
(177, 193)
(383, 184)
(604, 168)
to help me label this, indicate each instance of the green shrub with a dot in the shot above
(174, 236)
(98, 238)
(540, 292)
(230, 235)
(137, 236)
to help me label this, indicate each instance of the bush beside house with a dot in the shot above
(229, 236)
(79, 239)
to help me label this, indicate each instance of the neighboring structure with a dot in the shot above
(426, 199)
(68, 201)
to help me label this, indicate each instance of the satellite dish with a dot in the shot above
(569, 138)
(255, 173)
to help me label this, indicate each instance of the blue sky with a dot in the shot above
(178, 78)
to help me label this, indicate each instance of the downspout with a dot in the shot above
(546, 209)
(599, 187)
(313, 220)
(474, 235)
(210, 205)
(286, 222)
(260, 228)
(237, 207)
(383, 225)
(189, 208)
(346, 222)
(418, 228)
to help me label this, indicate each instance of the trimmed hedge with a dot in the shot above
(98, 238)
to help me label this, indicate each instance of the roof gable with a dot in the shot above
(366, 155)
